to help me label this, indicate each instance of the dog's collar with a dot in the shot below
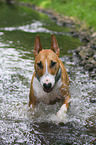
(57, 77)
(38, 78)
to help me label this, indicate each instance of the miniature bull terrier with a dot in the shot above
(50, 80)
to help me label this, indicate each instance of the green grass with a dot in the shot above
(83, 10)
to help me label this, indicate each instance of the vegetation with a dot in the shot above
(83, 10)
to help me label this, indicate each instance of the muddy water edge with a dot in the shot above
(18, 123)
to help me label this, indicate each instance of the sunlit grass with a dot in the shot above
(45, 3)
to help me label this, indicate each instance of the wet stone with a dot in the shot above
(94, 34)
(89, 67)
(94, 56)
(87, 57)
(93, 73)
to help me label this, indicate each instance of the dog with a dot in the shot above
(50, 80)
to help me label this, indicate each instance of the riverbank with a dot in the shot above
(87, 52)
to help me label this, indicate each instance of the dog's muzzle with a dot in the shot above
(47, 87)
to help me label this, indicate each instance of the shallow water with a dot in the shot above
(19, 124)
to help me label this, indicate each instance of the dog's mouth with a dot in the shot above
(47, 90)
(47, 87)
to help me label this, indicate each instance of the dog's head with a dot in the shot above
(47, 65)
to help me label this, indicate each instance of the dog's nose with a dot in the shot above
(47, 86)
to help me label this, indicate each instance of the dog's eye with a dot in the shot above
(40, 65)
(53, 63)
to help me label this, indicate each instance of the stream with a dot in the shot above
(19, 124)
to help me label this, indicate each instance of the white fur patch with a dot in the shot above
(61, 114)
(42, 95)
(47, 78)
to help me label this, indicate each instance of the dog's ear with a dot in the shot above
(54, 45)
(37, 46)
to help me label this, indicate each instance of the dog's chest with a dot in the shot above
(42, 95)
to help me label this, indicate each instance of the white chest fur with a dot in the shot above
(42, 95)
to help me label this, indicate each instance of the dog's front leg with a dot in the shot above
(61, 114)
(32, 98)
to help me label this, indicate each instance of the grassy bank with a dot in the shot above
(83, 10)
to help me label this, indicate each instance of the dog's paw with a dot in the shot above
(61, 114)
(31, 106)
